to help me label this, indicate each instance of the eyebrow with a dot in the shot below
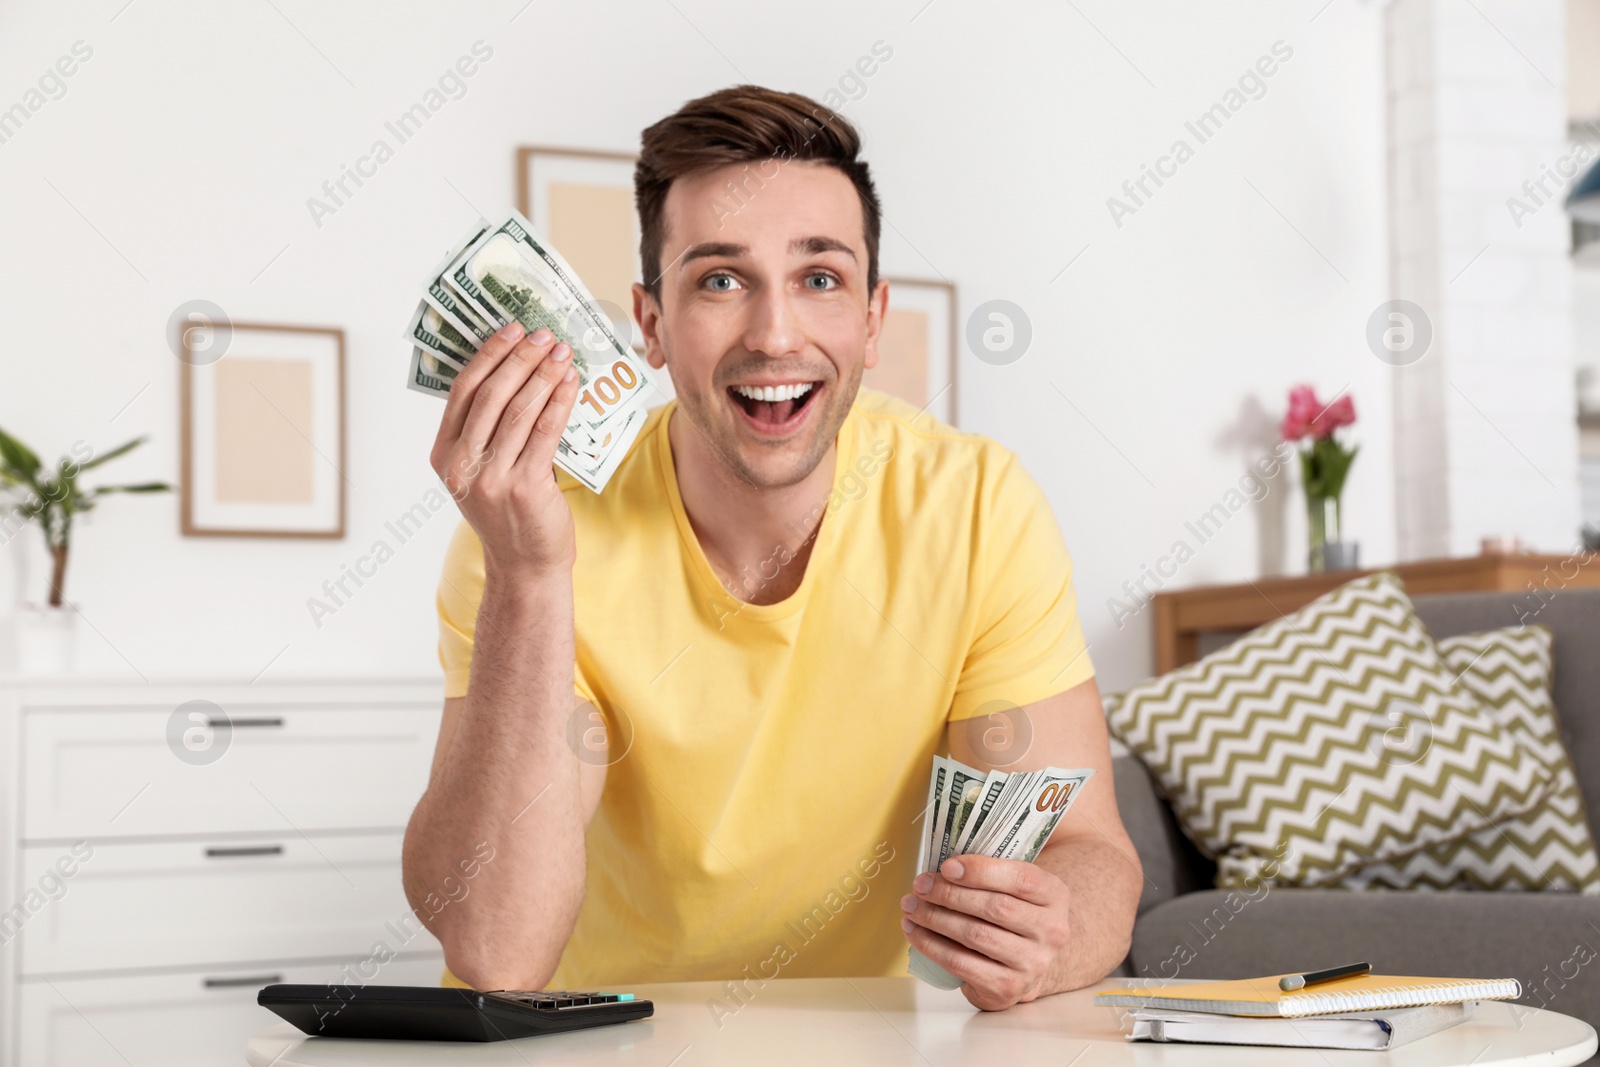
(799, 246)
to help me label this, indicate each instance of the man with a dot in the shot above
(693, 717)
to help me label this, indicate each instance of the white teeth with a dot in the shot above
(773, 393)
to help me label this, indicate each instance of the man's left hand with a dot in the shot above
(999, 925)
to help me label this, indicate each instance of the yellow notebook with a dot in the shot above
(1261, 996)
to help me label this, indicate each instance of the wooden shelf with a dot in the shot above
(1182, 615)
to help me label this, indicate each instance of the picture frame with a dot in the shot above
(917, 347)
(262, 411)
(582, 200)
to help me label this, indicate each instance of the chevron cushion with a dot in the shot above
(1327, 740)
(1547, 848)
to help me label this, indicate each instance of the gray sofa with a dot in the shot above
(1548, 941)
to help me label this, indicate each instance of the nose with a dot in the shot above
(773, 328)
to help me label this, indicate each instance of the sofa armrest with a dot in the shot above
(1172, 865)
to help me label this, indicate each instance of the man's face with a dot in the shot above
(765, 322)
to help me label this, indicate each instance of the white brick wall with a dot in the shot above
(1485, 439)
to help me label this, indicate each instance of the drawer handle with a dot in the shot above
(219, 852)
(245, 980)
(239, 724)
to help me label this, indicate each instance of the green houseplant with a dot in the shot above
(53, 497)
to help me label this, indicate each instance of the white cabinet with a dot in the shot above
(71, 1022)
(150, 893)
(202, 903)
(109, 772)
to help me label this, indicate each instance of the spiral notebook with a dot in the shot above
(1261, 996)
(1386, 1029)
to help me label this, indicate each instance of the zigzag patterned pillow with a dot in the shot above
(1329, 739)
(1547, 848)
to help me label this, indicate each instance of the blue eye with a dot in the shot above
(827, 279)
(710, 279)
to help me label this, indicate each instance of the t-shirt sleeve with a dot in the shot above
(1027, 641)
(459, 594)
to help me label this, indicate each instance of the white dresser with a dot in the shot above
(166, 849)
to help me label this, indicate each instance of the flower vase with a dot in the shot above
(1322, 525)
(1341, 555)
(47, 638)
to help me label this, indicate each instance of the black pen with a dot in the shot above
(1300, 981)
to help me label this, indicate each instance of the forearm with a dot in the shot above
(1104, 883)
(510, 780)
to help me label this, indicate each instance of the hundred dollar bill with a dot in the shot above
(509, 274)
(595, 476)
(964, 788)
(1032, 823)
(920, 966)
(506, 272)
(940, 814)
(429, 374)
(1006, 816)
(592, 465)
(590, 462)
(428, 329)
(993, 787)
(935, 791)
(455, 310)
(457, 313)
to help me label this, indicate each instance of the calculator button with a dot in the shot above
(558, 999)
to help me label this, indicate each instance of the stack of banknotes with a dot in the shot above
(973, 813)
(505, 272)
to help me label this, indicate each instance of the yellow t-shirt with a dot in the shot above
(765, 817)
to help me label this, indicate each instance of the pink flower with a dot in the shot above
(1303, 407)
(1309, 417)
(1341, 412)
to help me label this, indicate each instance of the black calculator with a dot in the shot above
(436, 1013)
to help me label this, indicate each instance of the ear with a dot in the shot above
(877, 308)
(647, 313)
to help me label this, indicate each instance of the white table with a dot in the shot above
(893, 1021)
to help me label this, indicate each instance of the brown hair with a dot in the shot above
(744, 124)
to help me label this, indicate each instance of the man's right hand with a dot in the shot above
(496, 446)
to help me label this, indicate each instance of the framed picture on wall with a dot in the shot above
(263, 433)
(582, 200)
(917, 347)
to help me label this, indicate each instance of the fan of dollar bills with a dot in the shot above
(507, 272)
(1007, 816)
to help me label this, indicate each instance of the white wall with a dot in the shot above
(179, 162)
(1487, 442)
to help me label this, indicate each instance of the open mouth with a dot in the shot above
(774, 408)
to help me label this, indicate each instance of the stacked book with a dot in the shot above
(1366, 1011)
